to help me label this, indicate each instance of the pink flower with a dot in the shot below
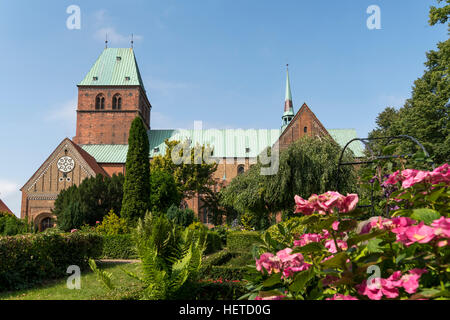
(269, 262)
(410, 281)
(289, 271)
(442, 227)
(393, 178)
(441, 174)
(303, 206)
(339, 296)
(307, 238)
(349, 203)
(377, 288)
(97, 222)
(270, 298)
(73, 230)
(331, 246)
(335, 225)
(419, 233)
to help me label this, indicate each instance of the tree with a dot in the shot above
(88, 202)
(308, 166)
(164, 191)
(136, 188)
(195, 177)
(425, 115)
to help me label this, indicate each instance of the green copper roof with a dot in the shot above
(342, 136)
(227, 143)
(114, 67)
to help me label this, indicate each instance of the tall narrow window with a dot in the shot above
(117, 102)
(100, 102)
(305, 129)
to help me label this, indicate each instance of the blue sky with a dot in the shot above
(219, 61)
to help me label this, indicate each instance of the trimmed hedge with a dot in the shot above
(213, 242)
(119, 246)
(29, 259)
(226, 272)
(221, 290)
(242, 241)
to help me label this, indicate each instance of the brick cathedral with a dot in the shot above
(110, 96)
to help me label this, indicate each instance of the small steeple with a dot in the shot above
(288, 105)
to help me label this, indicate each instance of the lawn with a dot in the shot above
(91, 288)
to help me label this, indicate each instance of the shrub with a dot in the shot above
(88, 202)
(216, 258)
(112, 225)
(182, 217)
(226, 272)
(242, 241)
(291, 228)
(136, 187)
(29, 259)
(119, 246)
(404, 257)
(164, 191)
(10, 225)
(220, 289)
(213, 242)
(222, 231)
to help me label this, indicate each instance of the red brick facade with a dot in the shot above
(304, 123)
(105, 124)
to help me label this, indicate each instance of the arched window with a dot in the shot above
(305, 129)
(117, 102)
(46, 223)
(240, 169)
(100, 102)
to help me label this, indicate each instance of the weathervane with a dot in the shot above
(132, 41)
(106, 40)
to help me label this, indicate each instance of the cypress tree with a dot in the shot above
(136, 188)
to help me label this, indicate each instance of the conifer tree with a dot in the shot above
(136, 188)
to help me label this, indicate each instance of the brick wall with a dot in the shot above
(108, 125)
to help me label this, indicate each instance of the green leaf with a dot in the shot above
(272, 280)
(426, 215)
(374, 245)
(281, 229)
(309, 248)
(364, 237)
(436, 194)
(338, 261)
(388, 150)
(301, 279)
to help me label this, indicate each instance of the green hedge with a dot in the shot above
(213, 242)
(226, 272)
(242, 241)
(120, 246)
(221, 290)
(29, 259)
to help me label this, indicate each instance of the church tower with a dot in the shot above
(109, 98)
(288, 106)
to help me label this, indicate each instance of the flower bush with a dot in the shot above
(340, 257)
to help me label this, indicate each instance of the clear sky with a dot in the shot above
(218, 61)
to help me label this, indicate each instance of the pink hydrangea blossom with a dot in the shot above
(339, 296)
(308, 238)
(442, 227)
(270, 298)
(377, 288)
(326, 203)
(331, 245)
(410, 281)
(410, 177)
(269, 262)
